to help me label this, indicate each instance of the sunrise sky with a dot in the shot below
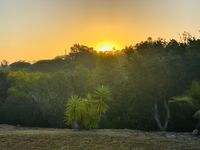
(42, 29)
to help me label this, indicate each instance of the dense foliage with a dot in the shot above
(142, 79)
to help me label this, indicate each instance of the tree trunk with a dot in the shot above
(157, 117)
(198, 125)
(75, 125)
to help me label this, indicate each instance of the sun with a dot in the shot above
(106, 46)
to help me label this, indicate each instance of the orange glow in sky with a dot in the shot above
(107, 46)
(42, 29)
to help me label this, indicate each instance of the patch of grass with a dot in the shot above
(64, 139)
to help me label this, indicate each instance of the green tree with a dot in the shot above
(50, 93)
(4, 86)
(91, 119)
(81, 54)
(102, 95)
(75, 111)
(19, 107)
(81, 80)
(20, 65)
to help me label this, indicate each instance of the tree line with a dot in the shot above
(152, 85)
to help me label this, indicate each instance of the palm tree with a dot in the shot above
(192, 98)
(75, 111)
(87, 112)
(91, 119)
(102, 95)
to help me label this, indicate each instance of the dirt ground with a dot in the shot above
(18, 138)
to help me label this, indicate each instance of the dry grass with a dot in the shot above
(64, 139)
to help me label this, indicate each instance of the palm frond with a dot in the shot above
(181, 99)
(197, 115)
